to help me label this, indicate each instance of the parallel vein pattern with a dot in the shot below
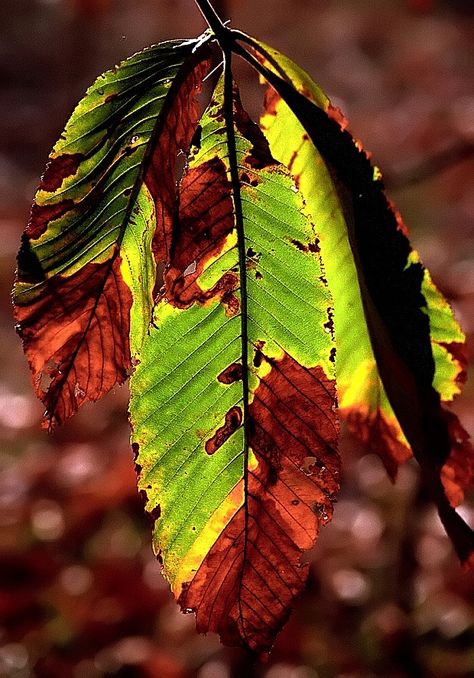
(231, 530)
(105, 172)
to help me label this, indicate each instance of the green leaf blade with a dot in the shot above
(72, 305)
(241, 496)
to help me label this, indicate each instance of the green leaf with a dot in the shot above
(233, 396)
(104, 188)
(399, 346)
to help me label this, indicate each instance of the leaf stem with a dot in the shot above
(214, 22)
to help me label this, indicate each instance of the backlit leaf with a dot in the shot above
(104, 177)
(233, 406)
(215, 262)
(400, 350)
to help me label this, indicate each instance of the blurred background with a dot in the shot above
(81, 594)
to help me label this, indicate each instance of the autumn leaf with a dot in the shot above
(218, 263)
(233, 408)
(103, 189)
(399, 349)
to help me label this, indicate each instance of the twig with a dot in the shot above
(222, 33)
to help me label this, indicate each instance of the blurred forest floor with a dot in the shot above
(81, 594)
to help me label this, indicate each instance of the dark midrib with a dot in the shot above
(239, 221)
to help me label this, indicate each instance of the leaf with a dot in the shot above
(104, 183)
(233, 396)
(400, 351)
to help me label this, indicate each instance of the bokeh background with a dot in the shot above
(81, 594)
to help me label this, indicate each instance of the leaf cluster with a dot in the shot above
(233, 270)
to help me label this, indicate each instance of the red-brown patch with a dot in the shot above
(231, 374)
(233, 419)
(457, 474)
(399, 219)
(175, 138)
(247, 583)
(76, 337)
(458, 352)
(205, 219)
(335, 113)
(41, 215)
(111, 97)
(58, 169)
(271, 101)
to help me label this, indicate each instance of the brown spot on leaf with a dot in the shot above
(259, 156)
(329, 324)
(231, 303)
(231, 374)
(155, 513)
(58, 169)
(205, 219)
(294, 155)
(41, 215)
(233, 419)
(258, 355)
(299, 245)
